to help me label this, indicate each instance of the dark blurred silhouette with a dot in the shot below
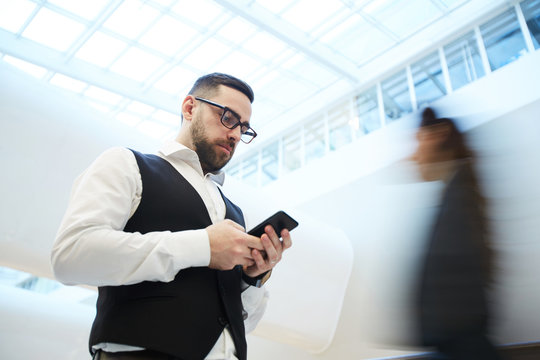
(456, 269)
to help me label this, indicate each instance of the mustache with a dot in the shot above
(228, 143)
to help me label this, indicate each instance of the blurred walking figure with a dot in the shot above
(451, 300)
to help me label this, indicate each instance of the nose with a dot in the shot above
(235, 134)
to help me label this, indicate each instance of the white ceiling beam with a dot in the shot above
(291, 35)
(54, 60)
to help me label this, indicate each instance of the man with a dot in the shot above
(176, 271)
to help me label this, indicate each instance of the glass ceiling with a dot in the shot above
(135, 59)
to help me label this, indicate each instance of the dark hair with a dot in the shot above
(208, 84)
(456, 142)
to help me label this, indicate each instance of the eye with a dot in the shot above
(244, 129)
(228, 118)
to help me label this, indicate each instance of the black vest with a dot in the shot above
(186, 316)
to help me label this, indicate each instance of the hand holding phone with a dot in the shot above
(265, 260)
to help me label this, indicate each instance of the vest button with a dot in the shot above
(223, 321)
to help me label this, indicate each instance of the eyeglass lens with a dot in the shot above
(231, 121)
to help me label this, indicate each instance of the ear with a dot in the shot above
(187, 107)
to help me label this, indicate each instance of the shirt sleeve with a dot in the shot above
(254, 301)
(92, 248)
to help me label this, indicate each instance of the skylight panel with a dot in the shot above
(453, 3)
(68, 83)
(264, 45)
(306, 16)
(164, 2)
(83, 8)
(287, 91)
(167, 118)
(293, 61)
(264, 80)
(99, 106)
(101, 49)
(307, 70)
(207, 54)
(375, 6)
(202, 12)
(264, 112)
(13, 14)
(357, 4)
(350, 24)
(153, 129)
(102, 95)
(137, 64)
(141, 108)
(237, 30)
(128, 118)
(275, 6)
(405, 17)
(176, 81)
(238, 64)
(53, 30)
(131, 18)
(29, 68)
(168, 35)
(362, 42)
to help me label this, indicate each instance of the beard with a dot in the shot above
(211, 160)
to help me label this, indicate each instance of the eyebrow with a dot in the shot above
(238, 116)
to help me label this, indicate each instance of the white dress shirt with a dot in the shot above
(92, 248)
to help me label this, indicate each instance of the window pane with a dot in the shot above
(368, 111)
(428, 80)
(270, 163)
(463, 60)
(503, 39)
(291, 152)
(531, 11)
(53, 30)
(339, 126)
(249, 170)
(396, 97)
(314, 139)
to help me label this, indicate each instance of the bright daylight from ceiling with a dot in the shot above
(135, 59)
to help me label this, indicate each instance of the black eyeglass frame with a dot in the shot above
(249, 132)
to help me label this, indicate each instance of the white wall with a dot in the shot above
(47, 138)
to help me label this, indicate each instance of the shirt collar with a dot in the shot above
(174, 151)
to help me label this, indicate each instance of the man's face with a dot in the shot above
(214, 143)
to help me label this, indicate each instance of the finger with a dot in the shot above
(273, 255)
(269, 230)
(258, 259)
(286, 236)
(253, 242)
(248, 262)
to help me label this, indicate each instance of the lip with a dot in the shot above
(227, 148)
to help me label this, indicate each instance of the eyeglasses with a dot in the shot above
(231, 120)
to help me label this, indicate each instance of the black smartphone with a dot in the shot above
(279, 221)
